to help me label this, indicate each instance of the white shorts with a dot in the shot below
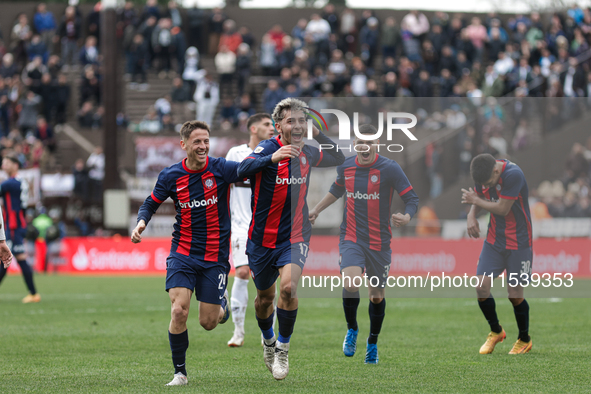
(239, 257)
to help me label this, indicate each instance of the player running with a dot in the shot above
(369, 181)
(279, 233)
(198, 260)
(260, 127)
(501, 189)
(15, 193)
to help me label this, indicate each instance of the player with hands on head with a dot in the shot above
(367, 180)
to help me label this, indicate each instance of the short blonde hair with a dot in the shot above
(291, 104)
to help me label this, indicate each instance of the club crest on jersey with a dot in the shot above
(209, 183)
(498, 187)
(303, 160)
(374, 179)
(258, 149)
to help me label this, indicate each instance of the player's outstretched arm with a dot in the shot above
(257, 162)
(136, 235)
(326, 202)
(331, 156)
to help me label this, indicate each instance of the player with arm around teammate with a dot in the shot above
(200, 247)
(501, 189)
(279, 232)
(367, 180)
(260, 127)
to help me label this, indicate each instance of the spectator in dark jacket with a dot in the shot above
(89, 54)
(138, 58)
(69, 33)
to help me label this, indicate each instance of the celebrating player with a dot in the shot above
(198, 260)
(501, 189)
(261, 128)
(369, 181)
(15, 193)
(279, 233)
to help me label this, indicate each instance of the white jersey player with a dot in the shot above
(260, 127)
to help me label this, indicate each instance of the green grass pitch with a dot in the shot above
(105, 334)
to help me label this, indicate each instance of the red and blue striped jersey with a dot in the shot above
(15, 193)
(279, 191)
(368, 191)
(201, 199)
(514, 231)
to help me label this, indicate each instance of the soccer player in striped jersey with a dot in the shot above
(15, 193)
(501, 189)
(200, 247)
(368, 182)
(279, 233)
(260, 127)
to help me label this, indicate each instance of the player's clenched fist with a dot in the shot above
(312, 215)
(5, 255)
(136, 235)
(399, 219)
(285, 152)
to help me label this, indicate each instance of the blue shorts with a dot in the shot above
(15, 240)
(207, 281)
(265, 262)
(495, 260)
(375, 263)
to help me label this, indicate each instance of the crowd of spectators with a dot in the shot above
(329, 54)
(569, 196)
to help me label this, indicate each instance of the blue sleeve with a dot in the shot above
(405, 190)
(258, 160)
(160, 193)
(231, 171)
(326, 156)
(512, 184)
(338, 187)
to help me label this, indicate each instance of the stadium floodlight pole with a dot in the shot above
(111, 93)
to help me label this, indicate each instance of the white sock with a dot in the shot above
(283, 346)
(238, 302)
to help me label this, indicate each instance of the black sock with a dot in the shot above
(522, 316)
(286, 321)
(488, 308)
(179, 343)
(376, 317)
(27, 275)
(350, 305)
(266, 326)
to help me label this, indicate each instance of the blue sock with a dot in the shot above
(266, 326)
(179, 343)
(286, 320)
(376, 317)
